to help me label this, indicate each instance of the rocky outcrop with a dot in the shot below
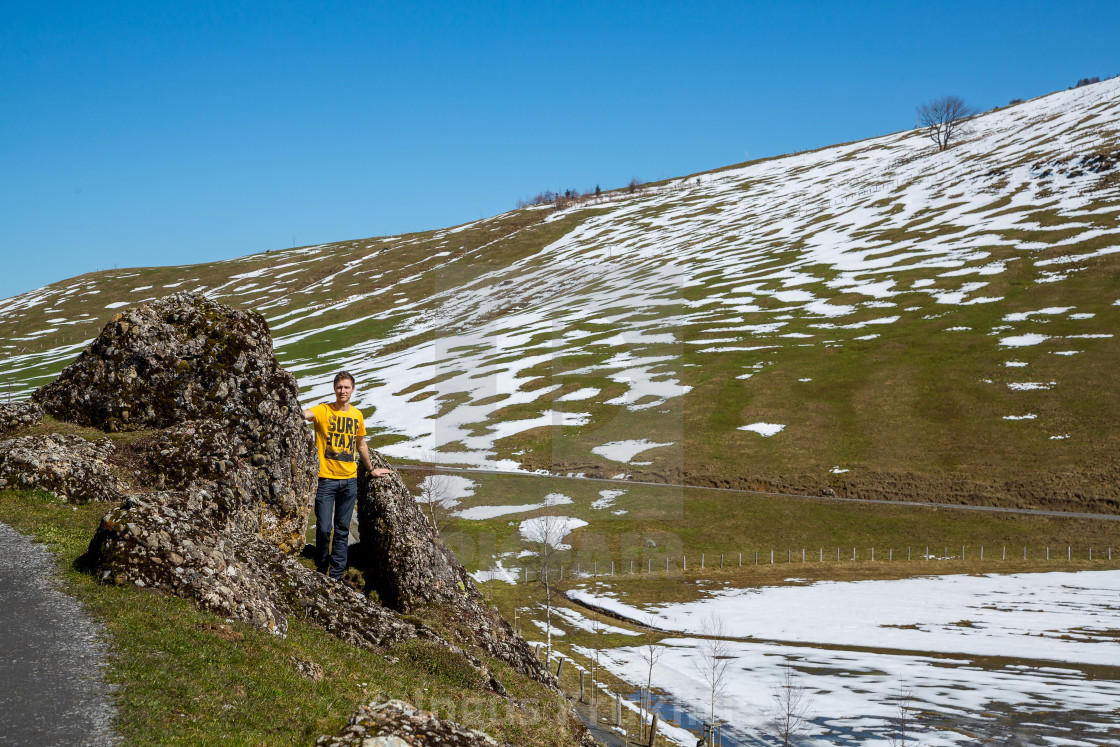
(16, 416)
(187, 359)
(410, 569)
(227, 478)
(396, 723)
(204, 450)
(188, 544)
(177, 541)
(181, 358)
(74, 469)
(415, 567)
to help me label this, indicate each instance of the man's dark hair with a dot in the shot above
(343, 375)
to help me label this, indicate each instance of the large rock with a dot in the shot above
(180, 542)
(180, 358)
(207, 372)
(396, 723)
(74, 469)
(261, 504)
(414, 568)
(16, 416)
(411, 569)
(185, 543)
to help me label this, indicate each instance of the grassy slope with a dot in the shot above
(680, 522)
(180, 681)
(917, 412)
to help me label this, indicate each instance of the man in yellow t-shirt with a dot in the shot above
(340, 437)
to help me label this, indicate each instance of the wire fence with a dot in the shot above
(714, 561)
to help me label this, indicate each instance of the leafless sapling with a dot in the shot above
(902, 724)
(788, 718)
(543, 536)
(650, 651)
(436, 497)
(715, 656)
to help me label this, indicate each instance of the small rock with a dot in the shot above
(308, 669)
(16, 416)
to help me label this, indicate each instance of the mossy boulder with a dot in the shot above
(207, 374)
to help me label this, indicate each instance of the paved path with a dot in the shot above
(602, 734)
(51, 656)
(834, 499)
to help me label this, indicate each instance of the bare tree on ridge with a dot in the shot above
(944, 119)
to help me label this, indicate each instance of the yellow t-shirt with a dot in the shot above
(336, 438)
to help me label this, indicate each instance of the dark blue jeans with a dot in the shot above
(334, 505)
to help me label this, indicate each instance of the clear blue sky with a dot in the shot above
(168, 133)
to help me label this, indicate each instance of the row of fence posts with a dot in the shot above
(712, 733)
(588, 691)
(790, 558)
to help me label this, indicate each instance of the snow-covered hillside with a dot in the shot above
(889, 306)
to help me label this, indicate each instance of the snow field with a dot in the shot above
(967, 648)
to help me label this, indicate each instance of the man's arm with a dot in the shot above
(363, 451)
(308, 415)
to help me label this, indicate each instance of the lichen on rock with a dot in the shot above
(411, 569)
(180, 358)
(187, 543)
(16, 416)
(206, 450)
(74, 469)
(185, 359)
(396, 723)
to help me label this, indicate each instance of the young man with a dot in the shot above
(340, 437)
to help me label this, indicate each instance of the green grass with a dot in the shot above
(929, 415)
(180, 682)
(690, 521)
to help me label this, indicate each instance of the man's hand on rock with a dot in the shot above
(381, 472)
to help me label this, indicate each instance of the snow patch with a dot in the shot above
(763, 429)
(550, 530)
(606, 499)
(1020, 341)
(624, 451)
